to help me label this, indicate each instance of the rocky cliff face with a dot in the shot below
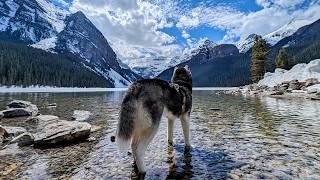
(41, 24)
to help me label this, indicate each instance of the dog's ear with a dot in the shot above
(175, 68)
(187, 67)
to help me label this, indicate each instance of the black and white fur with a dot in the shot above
(143, 106)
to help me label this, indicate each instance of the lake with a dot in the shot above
(232, 137)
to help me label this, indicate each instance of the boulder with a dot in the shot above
(16, 112)
(53, 131)
(14, 131)
(24, 139)
(80, 115)
(19, 104)
(294, 85)
(311, 81)
(25, 105)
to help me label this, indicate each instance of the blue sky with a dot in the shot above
(145, 28)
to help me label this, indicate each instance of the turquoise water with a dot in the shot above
(232, 137)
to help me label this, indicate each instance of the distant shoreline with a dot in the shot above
(44, 89)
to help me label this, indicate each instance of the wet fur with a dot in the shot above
(143, 106)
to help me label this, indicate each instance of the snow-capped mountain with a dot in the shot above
(41, 24)
(246, 44)
(273, 37)
(152, 67)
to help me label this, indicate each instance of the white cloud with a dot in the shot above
(275, 14)
(131, 27)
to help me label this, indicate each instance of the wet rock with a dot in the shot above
(311, 81)
(53, 131)
(16, 112)
(80, 115)
(52, 105)
(315, 98)
(14, 131)
(24, 139)
(277, 93)
(18, 104)
(1, 115)
(284, 87)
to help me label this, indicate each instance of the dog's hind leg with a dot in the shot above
(170, 130)
(139, 145)
(185, 122)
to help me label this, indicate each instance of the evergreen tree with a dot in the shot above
(282, 59)
(258, 58)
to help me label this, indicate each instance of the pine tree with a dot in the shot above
(258, 58)
(282, 59)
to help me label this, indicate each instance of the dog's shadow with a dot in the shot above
(195, 163)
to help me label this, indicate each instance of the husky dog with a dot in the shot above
(143, 106)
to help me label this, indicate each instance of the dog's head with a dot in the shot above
(182, 75)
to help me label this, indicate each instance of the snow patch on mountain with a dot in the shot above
(54, 14)
(285, 31)
(300, 72)
(13, 7)
(46, 44)
(273, 37)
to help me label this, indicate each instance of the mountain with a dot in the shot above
(273, 37)
(302, 46)
(152, 67)
(217, 66)
(41, 24)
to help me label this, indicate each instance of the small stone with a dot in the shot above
(113, 138)
(80, 115)
(277, 93)
(24, 139)
(52, 105)
(90, 139)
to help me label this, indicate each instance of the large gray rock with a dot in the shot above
(24, 139)
(16, 112)
(80, 115)
(53, 131)
(24, 104)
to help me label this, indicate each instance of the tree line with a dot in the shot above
(25, 66)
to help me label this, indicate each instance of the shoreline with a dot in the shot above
(44, 89)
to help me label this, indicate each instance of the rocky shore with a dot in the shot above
(302, 80)
(49, 130)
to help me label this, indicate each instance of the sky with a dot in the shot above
(167, 28)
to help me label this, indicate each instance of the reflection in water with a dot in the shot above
(232, 137)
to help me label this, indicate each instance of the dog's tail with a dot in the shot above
(126, 122)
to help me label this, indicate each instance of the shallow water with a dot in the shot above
(232, 137)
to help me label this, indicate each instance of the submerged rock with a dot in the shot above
(53, 131)
(80, 115)
(24, 139)
(16, 112)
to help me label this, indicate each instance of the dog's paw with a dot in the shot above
(187, 148)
